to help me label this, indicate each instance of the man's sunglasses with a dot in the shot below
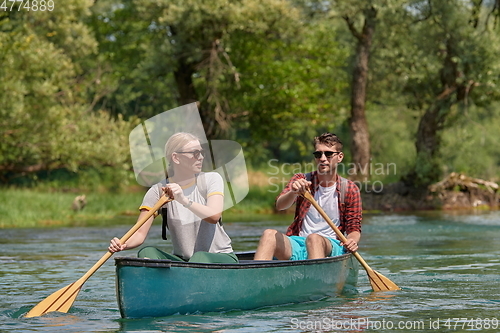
(196, 153)
(328, 154)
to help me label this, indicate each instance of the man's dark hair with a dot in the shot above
(330, 140)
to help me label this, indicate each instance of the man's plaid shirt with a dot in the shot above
(350, 211)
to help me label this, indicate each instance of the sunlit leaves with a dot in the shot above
(45, 121)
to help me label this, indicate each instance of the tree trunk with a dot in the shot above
(427, 168)
(183, 75)
(428, 140)
(187, 94)
(184, 80)
(358, 125)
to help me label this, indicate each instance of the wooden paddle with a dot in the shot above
(377, 280)
(64, 298)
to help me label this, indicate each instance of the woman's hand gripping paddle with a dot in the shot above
(377, 280)
(64, 298)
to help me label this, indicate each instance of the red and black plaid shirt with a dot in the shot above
(350, 211)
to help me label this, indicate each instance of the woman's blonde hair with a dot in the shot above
(175, 143)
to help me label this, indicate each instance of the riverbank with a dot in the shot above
(59, 207)
(23, 208)
(27, 208)
(455, 192)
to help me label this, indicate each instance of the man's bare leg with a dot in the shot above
(318, 246)
(273, 244)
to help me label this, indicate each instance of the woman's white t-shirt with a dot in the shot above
(189, 233)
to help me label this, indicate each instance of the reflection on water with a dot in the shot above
(446, 263)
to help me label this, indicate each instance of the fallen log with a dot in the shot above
(458, 190)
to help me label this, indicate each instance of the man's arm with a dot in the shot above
(352, 241)
(353, 216)
(295, 187)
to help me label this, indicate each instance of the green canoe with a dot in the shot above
(156, 288)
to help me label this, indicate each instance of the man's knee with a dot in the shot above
(269, 234)
(314, 239)
(317, 246)
(318, 241)
(276, 240)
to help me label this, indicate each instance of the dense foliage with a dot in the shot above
(269, 74)
(46, 120)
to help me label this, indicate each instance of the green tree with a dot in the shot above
(133, 64)
(45, 122)
(257, 68)
(366, 14)
(183, 45)
(290, 89)
(449, 62)
(361, 19)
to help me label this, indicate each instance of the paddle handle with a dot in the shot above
(340, 235)
(163, 200)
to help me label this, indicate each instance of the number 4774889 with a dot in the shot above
(27, 5)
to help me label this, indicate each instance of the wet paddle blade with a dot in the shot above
(60, 301)
(380, 282)
(377, 280)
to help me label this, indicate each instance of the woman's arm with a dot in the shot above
(136, 239)
(211, 212)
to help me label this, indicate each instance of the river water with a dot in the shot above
(447, 265)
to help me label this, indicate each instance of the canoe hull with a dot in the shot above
(156, 288)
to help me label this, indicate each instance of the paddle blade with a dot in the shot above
(59, 301)
(380, 282)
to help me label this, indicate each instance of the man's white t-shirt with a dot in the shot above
(314, 223)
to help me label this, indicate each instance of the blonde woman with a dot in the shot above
(193, 217)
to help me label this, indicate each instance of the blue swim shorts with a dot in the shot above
(299, 249)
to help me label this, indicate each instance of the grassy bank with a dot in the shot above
(48, 202)
(31, 208)
(23, 208)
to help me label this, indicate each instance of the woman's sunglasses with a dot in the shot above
(196, 153)
(328, 154)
